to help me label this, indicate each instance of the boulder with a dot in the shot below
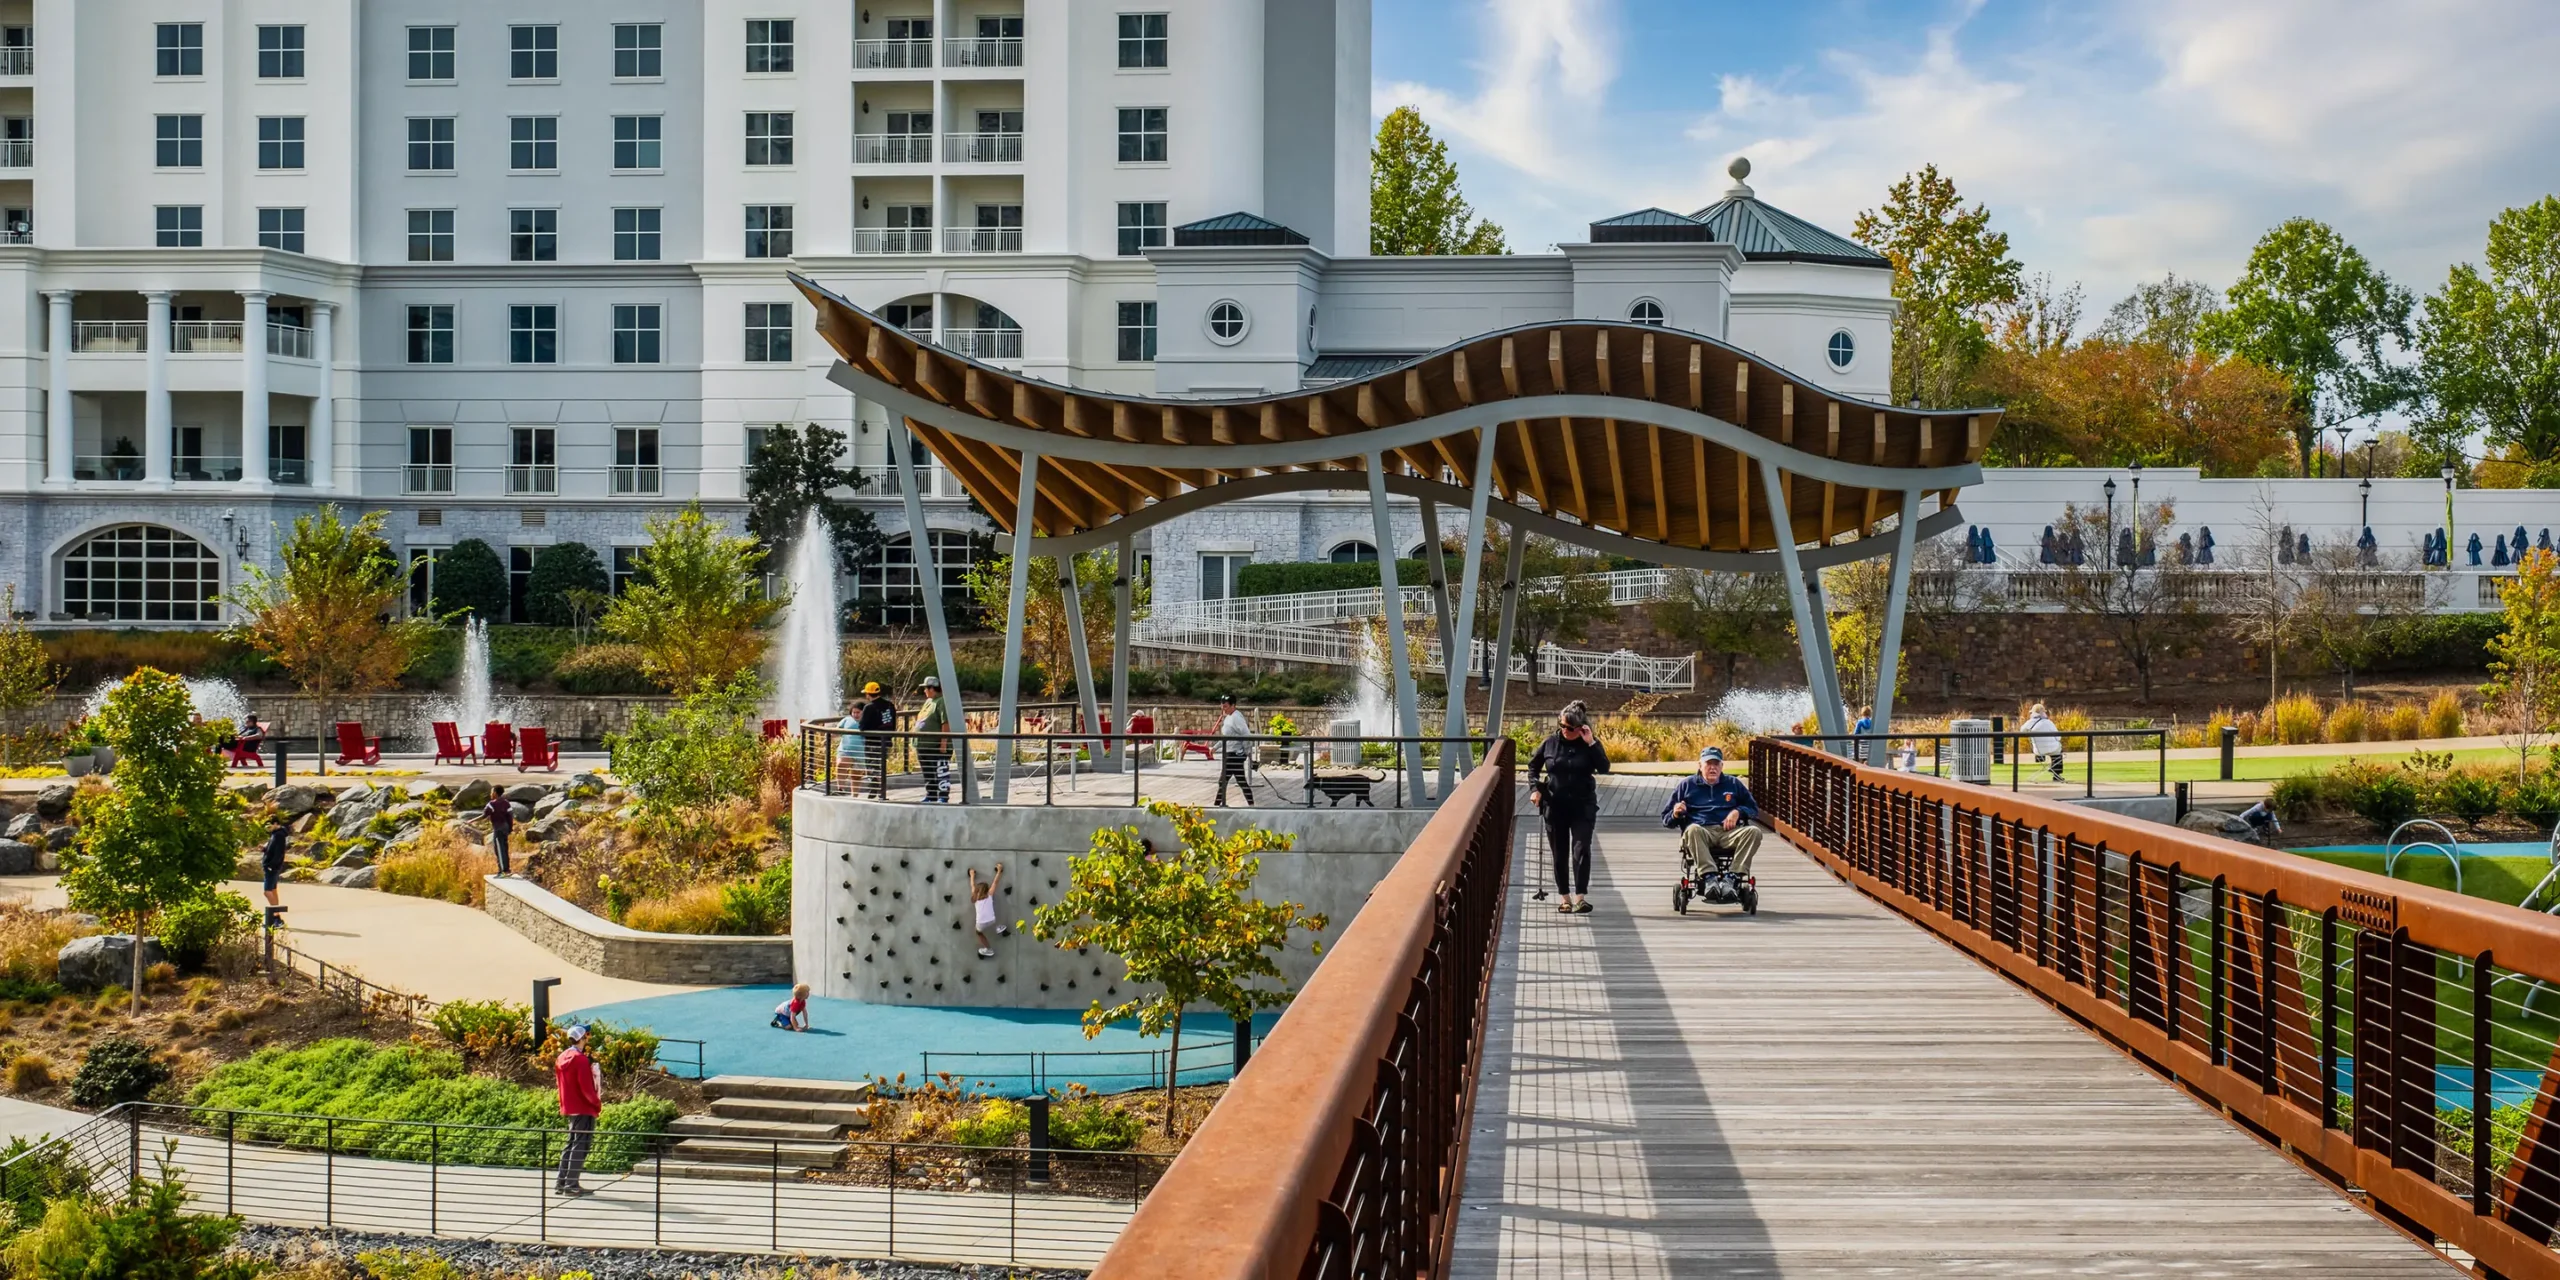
(360, 791)
(352, 812)
(360, 877)
(427, 789)
(2216, 822)
(338, 875)
(410, 811)
(522, 811)
(48, 860)
(296, 799)
(104, 960)
(253, 792)
(527, 792)
(55, 801)
(586, 784)
(403, 838)
(17, 859)
(23, 825)
(550, 804)
(61, 837)
(302, 826)
(547, 829)
(474, 794)
(353, 857)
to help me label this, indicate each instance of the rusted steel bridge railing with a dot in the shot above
(2393, 1038)
(1338, 1151)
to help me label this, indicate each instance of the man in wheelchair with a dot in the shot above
(1714, 814)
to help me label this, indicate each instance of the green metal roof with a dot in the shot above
(1235, 228)
(1766, 233)
(1648, 226)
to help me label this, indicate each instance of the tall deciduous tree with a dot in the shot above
(2489, 341)
(1952, 273)
(1046, 641)
(1184, 920)
(2524, 667)
(1726, 616)
(698, 609)
(330, 618)
(2311, 307)
(28, 673)
(1561, 593)
(1414, 204)
(2168, 313)
(797, 471)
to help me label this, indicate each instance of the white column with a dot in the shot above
(57, 392)
(1811, 635)
(929, 577)
(155, 388)
(254, 405)
(1121, 589)
(322, 439)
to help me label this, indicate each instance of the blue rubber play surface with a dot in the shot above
(992, 1050)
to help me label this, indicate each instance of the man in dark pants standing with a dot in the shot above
(581, 1084)
(879, 729)
(1561, 786)
(1235, 740)
(271, 864)
(501, 813)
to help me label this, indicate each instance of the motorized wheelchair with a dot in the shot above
(1716, 885)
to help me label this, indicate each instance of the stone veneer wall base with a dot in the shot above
(601, 946)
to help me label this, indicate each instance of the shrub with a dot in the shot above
(558, 570)
(2383, 795)
(2295, 797)
(2294, 719)
(695, 910)
(997, 1123)
(2536, 799)
(1083, 1121)
(440, 865)
(2444, 715)
(31, 944)
(2405, 722)
(2346, 723)
(149, 1234)
(408, 1264)
(1285, 577)
(118, 1069)
(604, 669)
(707, 750)
(2247, 724)
(37, 1174)
(2070, 718)
(2468, 794)
(471, 577)
(29, 1072)
(486, 1030)
(191, 929)
(760, 906)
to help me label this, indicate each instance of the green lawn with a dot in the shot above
(2504, 880)
(2255, 768)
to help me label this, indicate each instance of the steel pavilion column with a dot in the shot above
(1015, 603)
(1122, 593)
(1897, 602)
(1456, 651)
(1436, 570)
(1071, 598)
(1826, 709)
(1408, 713)
(1501, 663)
(1826, 679)
(929, 580)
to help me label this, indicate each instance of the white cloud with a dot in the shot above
(1547, 66)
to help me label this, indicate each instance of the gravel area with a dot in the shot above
(478, 1257)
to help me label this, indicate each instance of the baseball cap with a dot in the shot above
(1711, 753)
(1226, 698)
(931, 682)
(871, 686)
(577, 1034)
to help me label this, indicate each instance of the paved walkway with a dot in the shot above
(1825, 1090)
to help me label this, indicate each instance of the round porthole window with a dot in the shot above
(1647, 311)
(1227, 323)
(1843, 349)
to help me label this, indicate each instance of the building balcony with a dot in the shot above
(637, 479)
(204, 337)
(17, 153)
(110, 337)
(205, 468)
(289, 470)
(12, 235)
(419, 477)
(125, 467)
(880, 480)
(982, 240)
(533, 479)
(892, 55)
(982, 148)
(18, 60)
(893, 148)
(966, 51)
(288, 340)
(983, 344)
(893, 239)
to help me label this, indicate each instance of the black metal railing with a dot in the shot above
(1998, 746)
(1205, 1060)
(1285, 771)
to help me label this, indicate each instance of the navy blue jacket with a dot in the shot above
(1708, 804)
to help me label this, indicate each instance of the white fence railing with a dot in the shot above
(1626, 587)
(1337, 646)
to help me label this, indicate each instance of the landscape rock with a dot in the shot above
(23, 825)
(17, 859)
(411, 811)
(54, 801)
(428, 789)
(336, 875)
(474, 794)
(360, 791)
(352, 812)
(550, 804)
(360, 877)
(296, 799)
(253, 792)
(2216, 822)
(353, 857)
(104, 960)
(586, 784)
(523, 811)
(302, 826)
(403, 838)
(547, 829)
(61, 837)
(527, 792)
(47, 860)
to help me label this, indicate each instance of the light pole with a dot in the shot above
(2448, 512)
(2365, 512)
(2137, 513)
(2110, 487)
(2343, 431)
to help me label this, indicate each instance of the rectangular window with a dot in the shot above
(533, 53)
(768, 137)
(178, 226)
(533, 235)
(635, 460)
(180, 142)
(1142, 135)
(755, 444)
(533, 334)
(279, 142)
(431, 144)
(768, 45)
(431, 53)
(181, 47)
(1141, 226)
(1142, 40)
(430, 460)
(635, 142)
(1137, 331)
(431, 334)
(626, 568)
(280, 53)
(635, 235)
(1218, 573)
(769, 332)
(533, 463)
(280, 229)
(422, 567)
(635, 334)
(768, 231)
(635, 50)
(519, 582)
(533, 142)
(431, 235)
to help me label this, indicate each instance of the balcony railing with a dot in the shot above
(106, 466)
(982, 148)
(893, 148)
(875, 55)
(635, 479)
(17, 153)
(969, 51)
(289, 470)
(288, 340)
(20, 60)
(982, 240)
(984, 344)
(893, 239)
(882, 481)
(109, 337)
(205, 467)
(533, 479)
(424, 477)
(204, 337)
(14, 236)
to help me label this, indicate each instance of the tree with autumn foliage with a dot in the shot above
(1414, 204)
(697, 607)
(331, 617)
(1953, 275)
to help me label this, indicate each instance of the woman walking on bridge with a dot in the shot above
(1561, 786)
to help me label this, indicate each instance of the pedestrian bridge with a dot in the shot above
(1969, 1033)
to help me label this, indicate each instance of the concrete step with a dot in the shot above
(707, 1169)
(748, 1151)
(848, 1115)
(731, 1127)
(783, 1089)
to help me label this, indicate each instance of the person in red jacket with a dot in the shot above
(581, 1100)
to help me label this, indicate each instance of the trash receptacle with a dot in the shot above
(1972, 750)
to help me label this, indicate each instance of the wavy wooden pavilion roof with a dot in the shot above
(1644, 431)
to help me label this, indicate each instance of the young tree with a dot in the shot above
(331, 617)
(1951, 271)
(1561, 594)
(166, 832)
(799, 471)
(1726, 616)
(28, 673)
(1185, 920)
(562, 573)
(698, 609)
(2489, 343)
(1414, 205)
(2145, 602)
(2266, 608)
(706, 750)
(470, 578)
(2312, 308)
(2524, 667)
(2350, 610)
(1046, 640)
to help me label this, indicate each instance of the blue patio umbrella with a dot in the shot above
(2204, 545)
(2517, 542)
(2302, 548)
(2474, 549)
(2498, 558)
(2543, 543)
(2186, 548)
(1990, 554)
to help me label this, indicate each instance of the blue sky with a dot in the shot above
(2112, 139)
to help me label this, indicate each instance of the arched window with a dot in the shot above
(1843, 349)
(884, 582)
(141, 573)
(1353, 552)
(1647, 311)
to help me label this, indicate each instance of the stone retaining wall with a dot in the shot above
(601, 946)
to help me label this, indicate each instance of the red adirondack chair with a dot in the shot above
(498, 741)
(354, 747)
(775, 729)
(242, 755)
(452, 746)
(539, 753)
(1203, 745)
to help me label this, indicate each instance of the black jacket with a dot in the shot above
(879, 716)
(1561, 771)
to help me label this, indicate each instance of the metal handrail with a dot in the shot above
(1037, 1071)
(906, 767)
(1860, 745)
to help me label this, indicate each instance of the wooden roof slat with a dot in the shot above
(1787, 413)
(1831, 449)
(1271, 420)
(1124, 424)
(1573, 464)
(1154, 482)
(1073, 416)
(1172, 427)
(1222, 425)
(1030, 408)
(1698, 376)
(1600, 361)
(1618, 485)
(1555, 360)
(975, 388)
(1510, 369)
(1319, 414)
(1698, 470)
(1075, 473)
(928, 376)
(1415, 398)
(989, 486)
(1742, 498)
(1458, 378)
(1742, 394)
(1646, 362)
(1653, 437)
(1529, 455)
(1449, 457)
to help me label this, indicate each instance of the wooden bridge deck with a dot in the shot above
(1828, 1090)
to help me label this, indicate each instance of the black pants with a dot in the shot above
(1569, 839)
(498, 846)
(876, 751)
(932, 760)
(573, 1157)
(1231, 765)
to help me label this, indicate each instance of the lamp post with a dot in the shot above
(2110, 487)
(2448, 512)
(2137, 513)
(2343, 431)
(2365, 512)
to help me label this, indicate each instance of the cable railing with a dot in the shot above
(1369, 771)
(1205, 1060)
(1976, 757)
(2385, 1033)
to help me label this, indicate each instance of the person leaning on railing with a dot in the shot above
(1561, 786)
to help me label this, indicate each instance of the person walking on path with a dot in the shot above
(982, 900)
(1235, 742)
(793, 1014)
(933, 747)
(581, 1101)
(2044, 738)
(1561, 787)
(1712, 811)
(271, 863)
(501, 813)
(879, 725)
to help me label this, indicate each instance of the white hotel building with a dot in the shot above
(516, 271)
